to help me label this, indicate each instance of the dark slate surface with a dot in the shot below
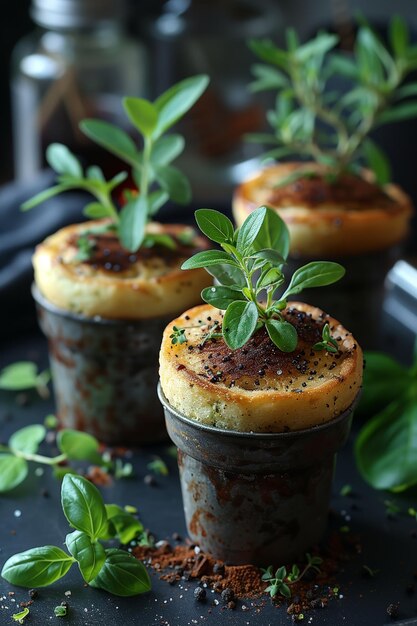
(28, 518)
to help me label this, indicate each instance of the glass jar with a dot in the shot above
(78, 63)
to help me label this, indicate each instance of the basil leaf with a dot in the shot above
(61, 159)
(376, 393)
(274, 234)
(268, 254)
(27, 439)
(315, 274)
(173, 181)
(239, 323)
(112, 138)
(37, 567)
(207, 258)
(166, 149)
(90, 555)
(142, 113)
(269, 277)
(221, 297)
(227, 275)
(83, 505)
(79, 446)
(18, 376)
(95, 210)
(13, 471)
(249, 230)
(282, 334)
(133, 219)
(386, 447)
(177, 100)
(215, 225)
(122, 575)
(126, 526)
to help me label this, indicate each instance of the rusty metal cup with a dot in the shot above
(253, 497)
(105, 374)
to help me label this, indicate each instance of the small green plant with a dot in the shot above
(315, 119)
(158, 466)
(61, 611)
(386, 448)
(328, 342)
(20, 617)
(156, 179)
(249, 269)
(280, 582)
(73, 445)
(24, 375)
(111, 569)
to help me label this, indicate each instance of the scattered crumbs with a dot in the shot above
(17, 513)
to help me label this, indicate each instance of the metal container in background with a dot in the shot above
(104, 374)
(253, 497)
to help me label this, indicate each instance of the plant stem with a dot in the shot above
(144, 177)
(39, 458)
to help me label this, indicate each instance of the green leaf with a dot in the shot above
(95, 210)
(215, 225)
(173, 181)
(27, 439)
(221, 297)
(267, 78)
(83, 505)
(133, 219)
(228, 275)
(386, 447)
(267, 51)
(281, 573)
(399, 36)
(126, 526)
(282, 334)
(344, 65)
(239, 323)
(112, 138)
(321, 44)
(142, 113)
(249, 230)
(177, 100)
(269, 277)
(79, 446)
(208, 258)
(44, 195)
(156, 199)
(94, 172)
(122, 575)
(268, 254)
(398, 113)
(19, 376)
(19, 617)
(37, 567)
(61, 610)
(13, 471)
(384, 380)
(90, 555)
(166, 149)
(285, 590)
(314, 274)
(377, 161)
(61, 159)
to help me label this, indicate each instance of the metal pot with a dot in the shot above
(105, 373)
(253, 497)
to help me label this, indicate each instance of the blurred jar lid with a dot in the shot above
(75, 14)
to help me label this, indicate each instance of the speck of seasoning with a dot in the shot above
(279, 372)
(200, 594)
(393, 609)
(33, 593)
(227, 595)
(218, 568)
(187, 317)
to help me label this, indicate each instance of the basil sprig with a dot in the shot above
(386, 446)
(315, 119)
(113, 570)
(157, 180)
(249, 272)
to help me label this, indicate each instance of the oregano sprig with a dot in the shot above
(280, 582)
(315, 119)
(156, 178)
(249, 270)
(111, 569)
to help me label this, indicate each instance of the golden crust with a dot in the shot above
(361, 219)
(147, 284)
(258, 388)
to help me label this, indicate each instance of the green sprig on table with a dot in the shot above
(25, 375)
(111, 569)
(249, 269)
(156, 178)
(280, 581)
(386, 446)
(314, 118)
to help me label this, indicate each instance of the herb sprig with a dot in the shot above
(281, 581)
(24, 375)
(157, 180)
(315, 119)
(249, 272)
(386, 446)
(111, 569)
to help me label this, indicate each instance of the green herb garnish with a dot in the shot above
(157, 180)
(315, 119)
(281, 581)
(249, 270)
(386, 446)
(61, 610)
(328, 342)
(113, 570)
(24, 375)
(19, 617)
(158, 466)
